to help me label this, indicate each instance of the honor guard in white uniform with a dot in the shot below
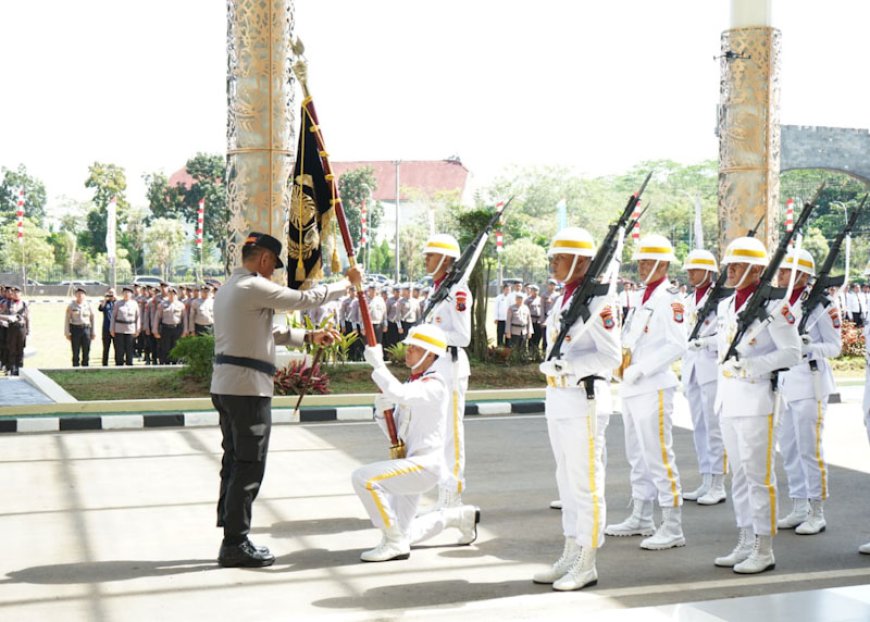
(654, 336)
(390, 490)
(805, 389)
(453, 316)
(865, 404)
(699, 373)
(578, 408)
(746, 401)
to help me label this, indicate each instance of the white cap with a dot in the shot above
(699, 259)
(572, 241)
(442, 244)
(805, 261)
(655, 246)
(429, 337)
(746, 250)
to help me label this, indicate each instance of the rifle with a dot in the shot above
(755, 308)
(463, 266)
(590, 287)
(824, 280)
(719, 291)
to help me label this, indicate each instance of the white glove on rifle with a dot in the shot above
(382, 403)
(632, 375)
(740, 369)
(374, 356)
(695, 345)
(556, 367)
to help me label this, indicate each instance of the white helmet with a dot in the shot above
(746, 250)
(656, 247)
(699, 259)
(805, 261)
(572, 241)
(429, 337)
(442, 244)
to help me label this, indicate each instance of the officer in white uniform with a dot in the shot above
(654, 336)
(699, 381)
(746, 402)
(390, 490)
(578, 412)
(865, 405)
(453, 316)
(805, 389)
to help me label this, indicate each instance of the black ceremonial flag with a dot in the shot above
(310, 209)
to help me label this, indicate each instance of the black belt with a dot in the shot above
(117, 321)
(243, 361)
(165, 324)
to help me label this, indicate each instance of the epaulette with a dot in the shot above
(674, 290)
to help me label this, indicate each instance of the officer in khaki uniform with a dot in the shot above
(655, 337)
(518, 323)
(200, 320)
(168, 324)
(749, 405)
(78, 328)
(242, 382)
(126, 323)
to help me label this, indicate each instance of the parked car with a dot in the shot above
(84, 283)
(150, 281)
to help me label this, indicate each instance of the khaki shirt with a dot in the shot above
(244, 308)
(519, 320)
(125, 318)
(78, 315)
(171, 313)
(201, 312)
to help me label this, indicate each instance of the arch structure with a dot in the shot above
(840, 149)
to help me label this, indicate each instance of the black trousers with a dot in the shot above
(16, 339)
(3, 332)
(123, 349)
(499, 333)
(168, 338)
(150, 349)
(80, 336)
(535, 339)
(391, 336)
(203, 329)
(107, 343)
(246, 423)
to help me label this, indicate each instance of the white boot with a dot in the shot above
(394, 545)
(556, 505)
(741, 552)
(716, 494)
(700, 491)
(562, 565)
(799, 513)
(815, 522)
(864, 549)
(640, 523)
(581, 573)
(448, 497)
(669, 534)
(465, 519)
(760, 559)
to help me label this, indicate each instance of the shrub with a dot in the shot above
(853, 340)
(197, 353)
(290, 380)
(396, 353)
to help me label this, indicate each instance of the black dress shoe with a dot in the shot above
(245, 555)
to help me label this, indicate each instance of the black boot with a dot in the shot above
(245, 555)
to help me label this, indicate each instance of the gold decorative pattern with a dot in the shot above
(260, 119)
(749, 134)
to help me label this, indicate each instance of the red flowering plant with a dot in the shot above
(853, 340)
(291, 379)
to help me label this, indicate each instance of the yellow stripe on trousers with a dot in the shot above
(823, 471)
(456, 441)
(770, 489)
(378, 478)
(596, 509)
(665, 448)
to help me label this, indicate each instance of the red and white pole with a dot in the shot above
(19, 213)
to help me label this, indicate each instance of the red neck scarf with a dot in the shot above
(699, 292)
(437, 284)
(650, 288)
(570, 288)
(796, 294)
(743, 294)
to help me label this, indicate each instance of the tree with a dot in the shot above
(132, 239)
(525, 259)
(108, 182)
(355, 188)
(34, 195)
(164, 240)
(36, 251)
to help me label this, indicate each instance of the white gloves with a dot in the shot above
(382, 403)
(805, 339)
(556, 367)
(374, 356)
(632, 375)
(740, 369)
(695, 345)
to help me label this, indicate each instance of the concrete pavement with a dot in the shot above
(119, 526)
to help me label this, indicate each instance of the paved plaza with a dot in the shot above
(118, 525)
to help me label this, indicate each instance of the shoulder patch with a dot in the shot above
(461, 300)
(679, 312)
(607, 318)
(674, 290)
(787, 314)
(835, 317)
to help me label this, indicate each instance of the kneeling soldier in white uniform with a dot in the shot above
(390, 490)
(699, 382)
(805, 389)
(655, 337)
(578, 408)
(746, 403)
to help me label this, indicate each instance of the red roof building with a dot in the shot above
(428, 176)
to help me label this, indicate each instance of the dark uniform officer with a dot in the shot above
(126, 325)
(106, 306)
(168, 324)
(78, 328)
(17, 317)
(242, 383)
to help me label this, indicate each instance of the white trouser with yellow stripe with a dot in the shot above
(453, 476)
(578, 446)
(649, 447)
(390, 490)
(749, 442)
(707, 431)
(800, 443)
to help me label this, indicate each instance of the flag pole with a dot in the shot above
(397, 447)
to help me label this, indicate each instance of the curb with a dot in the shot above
(71, 422)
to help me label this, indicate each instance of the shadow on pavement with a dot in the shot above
(104, 572)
